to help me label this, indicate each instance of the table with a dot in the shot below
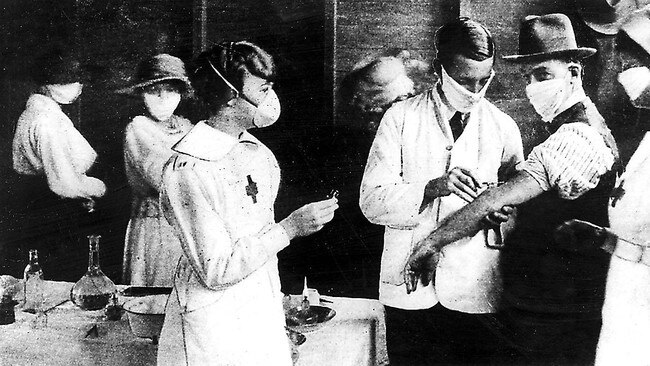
(355, 336)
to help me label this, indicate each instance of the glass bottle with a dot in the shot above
(33, 283)
(94, 290)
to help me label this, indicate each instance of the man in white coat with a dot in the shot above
(433, 153)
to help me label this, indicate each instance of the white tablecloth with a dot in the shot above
(354, 337)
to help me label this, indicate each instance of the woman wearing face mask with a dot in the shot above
(626, 311)
(52, 159)
(218, 193)
(152, 250)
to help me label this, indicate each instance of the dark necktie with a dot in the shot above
(456, 124)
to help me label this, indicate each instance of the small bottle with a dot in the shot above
(33, 283)
(305, 297)
(94, 290)
(7, 314)
(113, 310)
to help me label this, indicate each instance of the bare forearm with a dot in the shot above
(467, 220)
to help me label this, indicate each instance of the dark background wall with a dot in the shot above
(316, 43)
(111, 37)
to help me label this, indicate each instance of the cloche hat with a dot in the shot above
(548, 37)
(162, 67)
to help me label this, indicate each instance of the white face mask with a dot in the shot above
(161, 106)
(65, 93)
(547, 96)
(636, 82)
(460, 98)
(267, 112)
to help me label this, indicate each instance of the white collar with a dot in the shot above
(42, 100)
(207, 143)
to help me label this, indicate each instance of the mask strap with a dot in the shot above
(237, 93)
(224, 79)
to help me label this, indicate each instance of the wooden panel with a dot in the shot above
(394, 13)
(362, 36)
(367, 28)
(503, 19)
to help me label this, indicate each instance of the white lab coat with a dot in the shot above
(626, 312)
(151, 250)
(226, 307)
(413, 145)
(47, 143)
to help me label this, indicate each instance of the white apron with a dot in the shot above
(626, 312)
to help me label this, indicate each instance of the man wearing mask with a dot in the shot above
(553, 283)
(626, 312)
(432, 154)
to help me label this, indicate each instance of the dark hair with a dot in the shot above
(181, 87)
(231, 60)
(58, 65)
(464, 37)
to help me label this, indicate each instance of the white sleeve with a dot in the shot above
(218, 260)
(58, 163)
(513, 151)
(146, 152)
(385, 198)
(572, 160)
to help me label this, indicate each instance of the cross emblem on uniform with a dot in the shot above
(251, 189)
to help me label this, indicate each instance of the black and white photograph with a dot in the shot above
(324, 182)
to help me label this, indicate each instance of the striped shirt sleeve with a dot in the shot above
(572, 160)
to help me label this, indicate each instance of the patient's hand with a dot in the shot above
(421, 265)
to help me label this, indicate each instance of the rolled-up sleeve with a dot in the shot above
(385, 198)
(513, 151)
(572, 160)
(218, 259)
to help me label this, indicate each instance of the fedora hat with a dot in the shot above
(548, 37)
(605, 16)
(637, 27)
(159, 68)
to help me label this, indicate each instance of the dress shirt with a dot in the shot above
(413, 145)
(571, 160)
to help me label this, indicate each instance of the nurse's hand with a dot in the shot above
(310, 218)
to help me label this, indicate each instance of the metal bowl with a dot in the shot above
(318, 316)
(146, 315)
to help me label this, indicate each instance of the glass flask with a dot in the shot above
(33, 283)
(94, 290)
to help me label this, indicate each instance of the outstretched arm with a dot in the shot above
(466, 222)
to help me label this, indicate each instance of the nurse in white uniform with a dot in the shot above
(218, 193)
(626, 311)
